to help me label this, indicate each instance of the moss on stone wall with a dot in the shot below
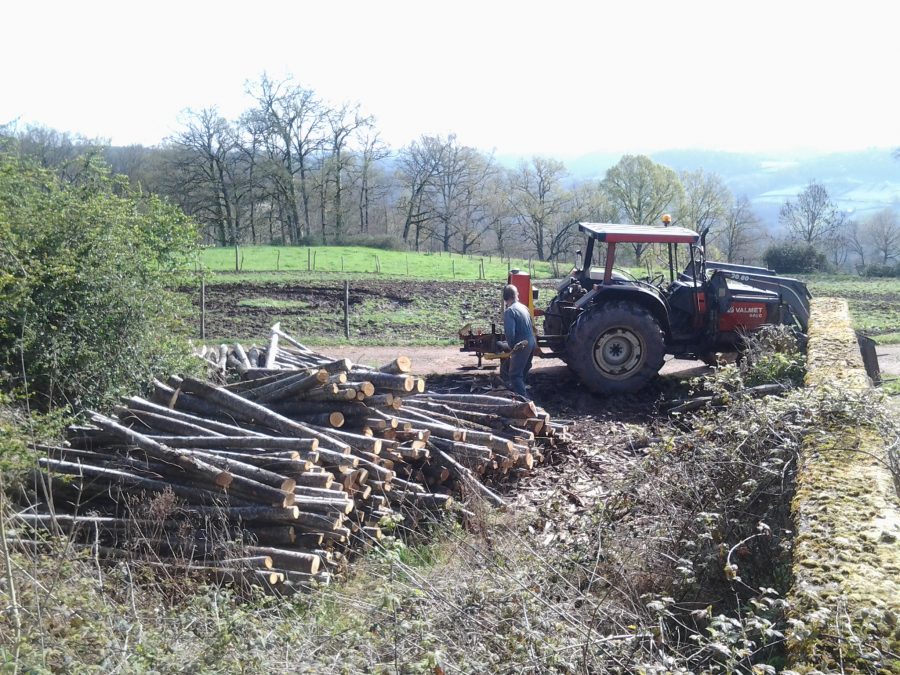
(846, 596)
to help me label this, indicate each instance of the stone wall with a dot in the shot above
(847, 549)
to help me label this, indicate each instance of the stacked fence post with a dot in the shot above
(347, 309)
(202, 308)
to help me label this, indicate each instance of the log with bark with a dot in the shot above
(257, 468)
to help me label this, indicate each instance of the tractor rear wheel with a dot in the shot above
(616, 348)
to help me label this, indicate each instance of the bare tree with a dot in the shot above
(371, 151)
(883, 233)
(461, 172)
(503, 226)
(812, 217)
(542, 205)
(480, 207)
(589, 203)
(419, 164)
(292, 119)
(705, 202)
(838, 247)
(137, 162)
(852, 236)
(642, 191)
(204, 177)
(250, 140)
(739, 233)
(342, 123)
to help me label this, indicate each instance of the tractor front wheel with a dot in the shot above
(616, 348)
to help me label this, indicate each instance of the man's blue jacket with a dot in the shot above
(517, 325)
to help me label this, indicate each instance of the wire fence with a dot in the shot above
(355, 261)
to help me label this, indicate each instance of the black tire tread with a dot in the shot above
(589, 326)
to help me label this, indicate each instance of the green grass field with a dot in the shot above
(279, 263)
(874, 303)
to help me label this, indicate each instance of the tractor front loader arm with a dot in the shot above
(794, 294)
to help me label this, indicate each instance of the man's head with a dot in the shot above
(510, 294)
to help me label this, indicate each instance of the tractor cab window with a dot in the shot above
(596, 265)
(696, 265)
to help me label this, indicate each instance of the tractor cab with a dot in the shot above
(596, 278)
(605, 238)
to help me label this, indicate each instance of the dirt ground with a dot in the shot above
(396, 310)
(449, 360)
(551, 383)
(889, 360)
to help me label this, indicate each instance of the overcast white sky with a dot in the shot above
(553, 77)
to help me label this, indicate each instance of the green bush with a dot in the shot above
(879, 270)
(84, 265)
(383, 241)
(773, 354)
(795, 258)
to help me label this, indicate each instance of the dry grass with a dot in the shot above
(669, 570)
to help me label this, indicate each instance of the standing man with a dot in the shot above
(519, 332)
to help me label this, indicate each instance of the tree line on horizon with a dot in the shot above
(294, 169)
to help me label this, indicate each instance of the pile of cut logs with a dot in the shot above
(277, 477)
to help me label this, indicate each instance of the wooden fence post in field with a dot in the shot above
(342, 263)
(308, 256)
(278, 260)
(453, 268)
(314, 261)
(347, 309)
(202, 308)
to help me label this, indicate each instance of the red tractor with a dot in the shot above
(614, 330)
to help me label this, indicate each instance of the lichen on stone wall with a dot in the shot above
(846, 596)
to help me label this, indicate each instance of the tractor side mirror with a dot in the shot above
(578, 259)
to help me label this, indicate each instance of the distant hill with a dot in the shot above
(860, 182)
